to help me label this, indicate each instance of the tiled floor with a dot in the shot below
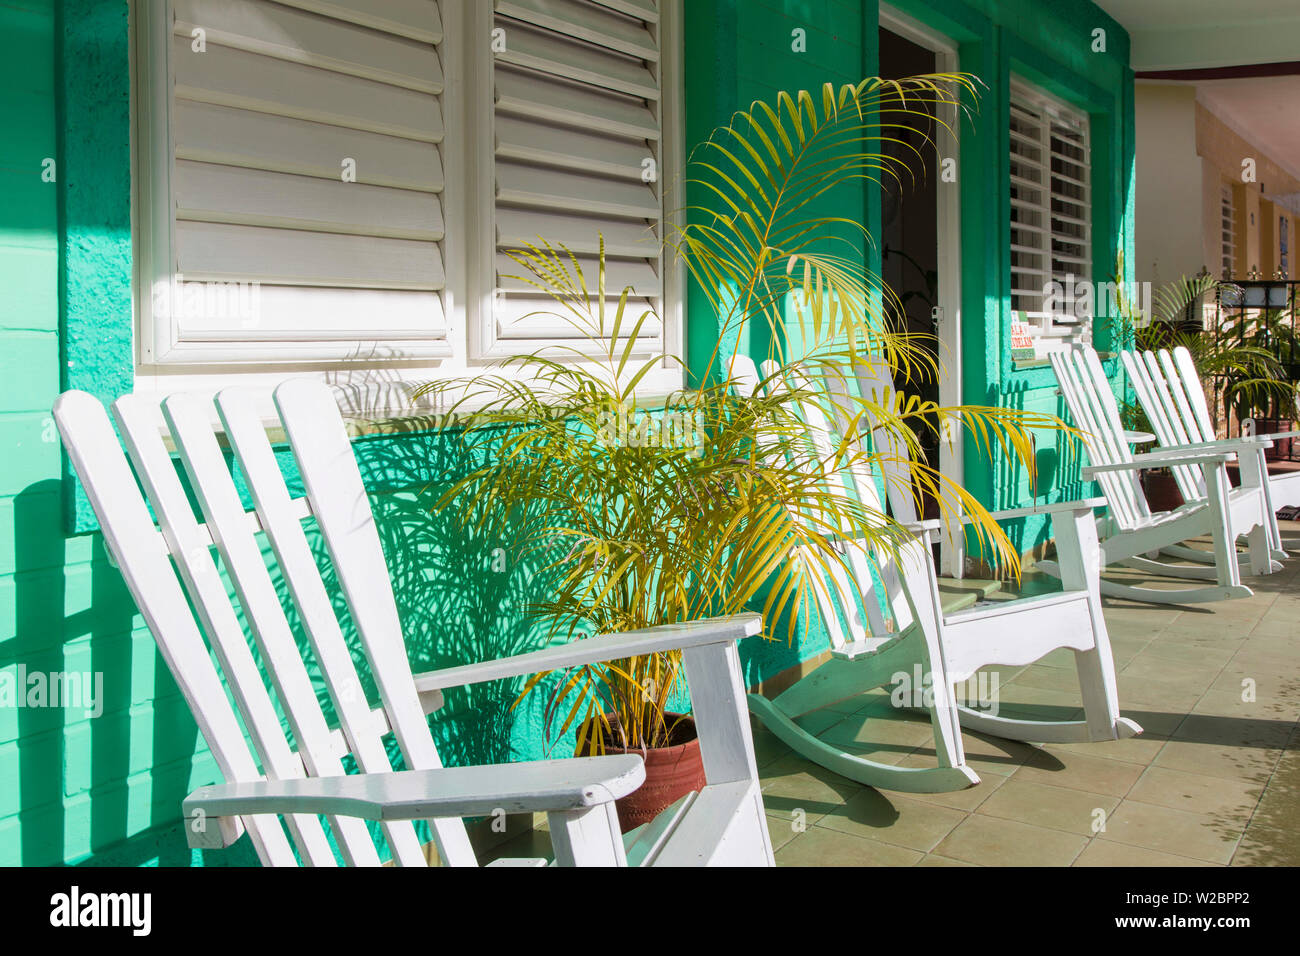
(1213, 780)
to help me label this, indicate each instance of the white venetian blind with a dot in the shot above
(267, 122)
(578, 152)
(1050, 205)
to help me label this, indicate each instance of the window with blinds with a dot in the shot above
(578, 118)
(1051, 256)
(1227, 232)
(334, 180)
(296, 179)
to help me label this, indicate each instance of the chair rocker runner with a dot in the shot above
(1170, 391)
(1132, 535)
(266, 778)
(949, 648)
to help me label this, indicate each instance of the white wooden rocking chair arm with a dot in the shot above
(1246, 443)
(1272, 436)
(1011, 514)
(542, 786)
(1157, 460)
(1055, 507)
(605, 647)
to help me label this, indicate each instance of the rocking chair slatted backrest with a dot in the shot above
(1167, 408)
(843, 624)
(846, 599)
(1088, 395)
(875, 381)
(1185, 369)
(336, 499)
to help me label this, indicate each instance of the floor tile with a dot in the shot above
(1074, 811)
(793, 783)
(1106, 853)
(895, 819)
(1265, 846)
(933, 859)
(1232, 763)
(1197, 793)
(1079, 772)
(1197, 835)
(988, 840)
(822, 847)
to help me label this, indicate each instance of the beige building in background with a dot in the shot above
(1199, 203)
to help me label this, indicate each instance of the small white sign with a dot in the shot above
(1022, 339)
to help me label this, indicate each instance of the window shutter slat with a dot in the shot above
(212, 193)
(219, 134)
(576, 60)
(544, 144)
(414, 19)
(573, 105)
(568, 190)
(589, 22)
(250, 81)
(222, 252)
(287, 34)
(576, 233)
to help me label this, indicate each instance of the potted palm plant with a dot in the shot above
(648, 511)
(1259, 396)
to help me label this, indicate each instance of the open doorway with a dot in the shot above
(909, 243)
(920, 256)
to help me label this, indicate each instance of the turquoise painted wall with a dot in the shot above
(745, 50)
(108, 790)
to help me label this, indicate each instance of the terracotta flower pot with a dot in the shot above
(670, 773)
(1162, 491)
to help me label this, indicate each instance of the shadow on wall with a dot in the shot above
(463, 593)
(462, 597)
(73, 767)
(1058, 459)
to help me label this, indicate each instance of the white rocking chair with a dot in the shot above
(1133, 536)
(1171, 393)
(949, 647)
(266, 778)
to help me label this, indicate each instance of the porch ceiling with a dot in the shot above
(1243, 58)
(1198, 34)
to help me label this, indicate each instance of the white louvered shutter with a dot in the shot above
(1227, 232)
(1050, 204)
(262, 124)
(577, 120)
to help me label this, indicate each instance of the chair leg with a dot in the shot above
(1260, 551)
(587, 837)
(1096, 666)
(915, 565)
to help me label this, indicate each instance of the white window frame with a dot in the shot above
(1052, 330)
(381, 364)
